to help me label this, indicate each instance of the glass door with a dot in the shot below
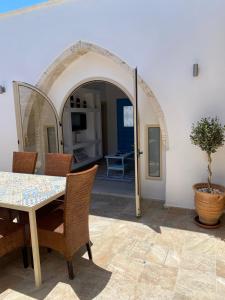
(137, 150)
(37, 122)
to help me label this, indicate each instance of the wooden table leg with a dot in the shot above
(35, 248)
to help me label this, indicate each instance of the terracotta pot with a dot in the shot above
(209, 207)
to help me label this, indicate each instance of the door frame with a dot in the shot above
(16, 85)
(137, 151)
(134, 100)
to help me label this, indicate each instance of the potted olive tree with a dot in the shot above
(208, 134)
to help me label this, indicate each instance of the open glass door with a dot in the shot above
(137, 151)
(37, 122)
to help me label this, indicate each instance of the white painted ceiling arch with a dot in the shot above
(93, 79)
(84, 62)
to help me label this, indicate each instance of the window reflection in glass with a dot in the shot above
(128, 117)
(154, 163)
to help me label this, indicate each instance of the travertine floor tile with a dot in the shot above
(13, 295)
(127, 267)
(220, 288)
(200, 244)
(162, 255)
(62, 291)
(119, 287)
(196, 284)
(220, 268)
(220, 248)
(156, 282)
(157, 253)
(204, 263)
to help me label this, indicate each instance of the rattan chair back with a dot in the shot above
(58, 164)
(24, 162)
(76, 207)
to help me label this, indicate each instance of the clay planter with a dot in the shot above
(209, 207)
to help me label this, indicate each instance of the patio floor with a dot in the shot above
(162, 255)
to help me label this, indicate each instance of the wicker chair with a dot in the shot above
(58, 164)
(12, 236)
(67, 230)
(23, 162)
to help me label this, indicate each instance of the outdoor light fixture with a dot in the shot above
(2, 89)
(195, 70)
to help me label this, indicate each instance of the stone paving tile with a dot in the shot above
(196, 284)
(220, 248)
(9, 294)
(156, 282)
(220, 288)
(220, 268)
(200, 245)
(62, 291)
(119, 288)
(157, 253)
(162, 255)
(203, 263)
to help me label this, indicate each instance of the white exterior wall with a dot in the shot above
(163, 38)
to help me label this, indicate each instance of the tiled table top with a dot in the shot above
(27, 190)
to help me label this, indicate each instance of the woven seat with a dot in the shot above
(12, 236)
(53, 222)
(5, 213)
(23, 162)
(67, 230)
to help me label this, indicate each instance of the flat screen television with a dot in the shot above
(79, 121)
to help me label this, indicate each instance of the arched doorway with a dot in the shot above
(98, 127)
(85, 62)
(105, 66)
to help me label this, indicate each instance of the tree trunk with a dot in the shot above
(209, 170)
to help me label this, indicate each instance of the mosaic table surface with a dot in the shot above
(28, 190)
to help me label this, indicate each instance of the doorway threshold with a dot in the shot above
(116, 195)
(114, 188)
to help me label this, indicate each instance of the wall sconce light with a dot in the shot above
(195, 70)
(2, 89)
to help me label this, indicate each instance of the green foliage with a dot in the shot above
(208, 134)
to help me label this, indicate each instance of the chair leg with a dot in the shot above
(31, 258)
(25, 257)
(70, 269)
(89, 250)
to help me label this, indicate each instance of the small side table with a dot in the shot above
(117, 162)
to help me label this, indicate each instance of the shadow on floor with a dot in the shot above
(154, 214)
(120, 248)
(89, 280)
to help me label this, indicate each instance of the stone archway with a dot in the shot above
(73, 53)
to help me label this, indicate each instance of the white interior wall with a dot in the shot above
(108, 95)
(162, 39)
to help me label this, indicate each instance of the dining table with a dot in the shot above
(28, 193)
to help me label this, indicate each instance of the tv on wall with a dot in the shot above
(79, 121)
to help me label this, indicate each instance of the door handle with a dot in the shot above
(140, 152)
